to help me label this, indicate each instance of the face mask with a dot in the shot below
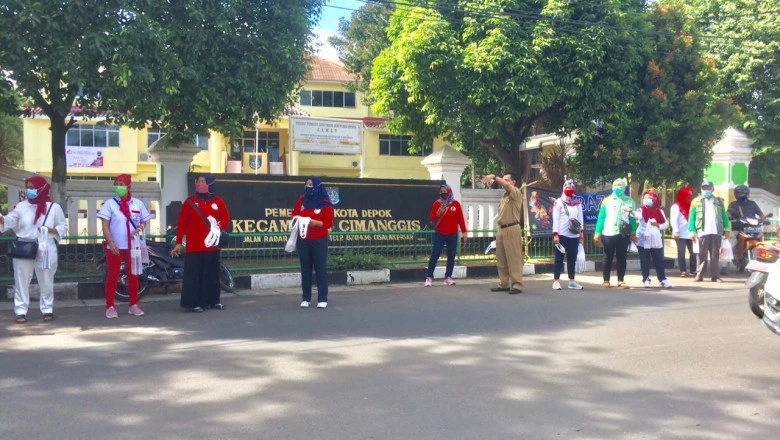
(741, 198)
(444, 195)
(202, 188)
(568, 192)
(648, 202)
(32, 193)
(121, 191)
(706, 193)
(308, 190)
(618, 191)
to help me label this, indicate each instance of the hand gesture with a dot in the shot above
(556, 239)
(597, 238)
(676, 235)
(634, 239)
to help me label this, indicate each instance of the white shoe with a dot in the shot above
(322, 305)
(305, 304)
(556, 285)
(574, 285)
(647, 283)
(666, 284)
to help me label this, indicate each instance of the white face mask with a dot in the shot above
(648, 202)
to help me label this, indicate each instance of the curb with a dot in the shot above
(85, 290)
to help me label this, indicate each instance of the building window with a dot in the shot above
(202, 141)
(96, 136)
(326, 98)
(391, 145)
(153, 136)
(259, 141)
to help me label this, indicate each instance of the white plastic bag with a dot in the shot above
(144, 249)
(303, 226)
(293, 240)
(632, 248)
(726, 252)
(695, 246)
(580, 267)
(136, 264)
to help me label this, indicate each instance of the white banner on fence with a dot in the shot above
(323, 135)
(84, 157)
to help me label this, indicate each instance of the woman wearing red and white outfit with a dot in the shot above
(123, 218)
(447, 214)
(566, 210)
(314, 205)
(200, 288)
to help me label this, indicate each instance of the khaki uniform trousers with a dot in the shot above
(509, 253)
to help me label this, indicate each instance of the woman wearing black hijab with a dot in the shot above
(200, 288)
(314, 206)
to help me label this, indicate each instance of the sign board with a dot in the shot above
(84, 157)
(323, 135)
(540, 204)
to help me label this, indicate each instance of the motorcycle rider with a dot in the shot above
(742, 208)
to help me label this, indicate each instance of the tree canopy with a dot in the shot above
(182, 66)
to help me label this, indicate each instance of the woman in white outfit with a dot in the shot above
(567, 232)
(652, 221)
(678, 217)
(36, 219)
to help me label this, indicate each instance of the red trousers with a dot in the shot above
(113, 263)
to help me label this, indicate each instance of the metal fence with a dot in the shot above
(263, 252)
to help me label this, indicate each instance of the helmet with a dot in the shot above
(742, 189)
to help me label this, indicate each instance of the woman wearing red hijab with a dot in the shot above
(650, 239)
(123, 217)
(36, 219)
(678, 217)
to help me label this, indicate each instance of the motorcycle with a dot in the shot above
(163, 269)
(772, 299)
(766, 259)
(753, 234)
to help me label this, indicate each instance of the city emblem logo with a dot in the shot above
(255, 162)
(333, 195)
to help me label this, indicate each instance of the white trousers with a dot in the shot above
(23, 273)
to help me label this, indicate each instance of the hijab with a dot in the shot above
(654, 211)
(315, 197)
(683, 200)
(211, 182)
(124, 202)
(450, 196)
(42, 186)
(571, 201)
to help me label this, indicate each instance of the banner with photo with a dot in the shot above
(84, 157)
(540, 203)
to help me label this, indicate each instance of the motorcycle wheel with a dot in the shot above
(756, 300)
(226, 280)
(121, 294)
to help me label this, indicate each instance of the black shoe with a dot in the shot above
(48, 317)
(21, 319)
(717, 280)
(218, 306)
(515, 291)
(499, 289)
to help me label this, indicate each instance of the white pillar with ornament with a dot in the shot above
(731, 158)
(173, 164)
(447, 164)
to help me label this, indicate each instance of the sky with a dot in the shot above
(329, 24)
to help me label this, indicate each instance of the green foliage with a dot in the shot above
(494, 69)
(349, 261)
(11, 145)
(667, 133)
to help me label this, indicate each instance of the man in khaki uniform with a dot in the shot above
(509, 246)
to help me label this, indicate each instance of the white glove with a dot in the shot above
(303, 226)
(213, 238)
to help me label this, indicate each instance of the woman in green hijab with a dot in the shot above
(616, 225)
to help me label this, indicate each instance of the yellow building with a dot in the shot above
(96, 151)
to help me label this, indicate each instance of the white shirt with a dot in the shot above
(117, 221)
(561, 215)
(612, 211)
(710, 223)
(678, 222)
(21, 221)
(650, 237)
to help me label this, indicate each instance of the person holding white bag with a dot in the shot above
(315, 218)
(710, 223)
(568, 233)
(652, 221)
(35, 219)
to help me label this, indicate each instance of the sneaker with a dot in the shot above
(556, 285)
(428, 282)
(683, 275)
(666, 284)
(448, 281)
(305, 304)
(111, 313)
(574, 285)
(647, 283)
(322, 305)
(135, 310)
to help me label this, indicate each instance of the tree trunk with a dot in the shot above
(59, 130)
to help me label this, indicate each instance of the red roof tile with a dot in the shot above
(327, 70)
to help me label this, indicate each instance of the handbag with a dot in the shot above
(625, 228)
(224, 236)
(574, 225)
(26, 249)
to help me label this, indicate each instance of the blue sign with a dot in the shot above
(256, 162)
(333, 195)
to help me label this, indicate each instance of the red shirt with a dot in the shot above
(193, 226)
(451, 219)
(325, 215)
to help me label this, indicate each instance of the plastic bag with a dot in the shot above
(580, 267)
(136, 265)
(695, 246)
(726, 252)
(303, 226)
(293, 240)
(144, 249)
(632, 248)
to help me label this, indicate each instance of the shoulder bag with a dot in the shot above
(26, 249)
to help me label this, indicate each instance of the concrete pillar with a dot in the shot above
(173, 164)
(447, 164)
(731, 158)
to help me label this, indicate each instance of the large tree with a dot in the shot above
(676, 116)
(184, 66)
(494, 69)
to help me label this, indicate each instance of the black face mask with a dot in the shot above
(444, 196)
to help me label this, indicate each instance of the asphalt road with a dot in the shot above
(402, 362)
